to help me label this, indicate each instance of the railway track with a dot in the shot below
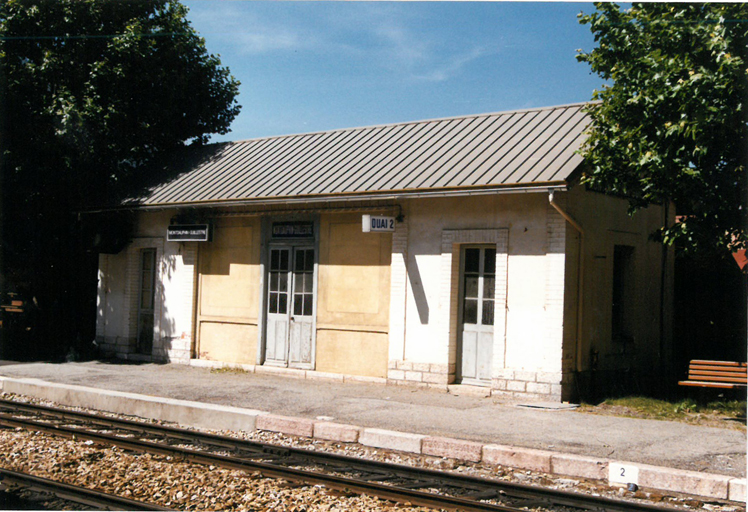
(389, 481)
(13, 480)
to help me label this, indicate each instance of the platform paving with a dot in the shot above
(674, 456)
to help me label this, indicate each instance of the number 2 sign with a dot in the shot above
(623, 473)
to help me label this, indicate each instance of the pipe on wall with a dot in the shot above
(580, 276)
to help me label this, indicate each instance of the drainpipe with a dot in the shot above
(580, 277)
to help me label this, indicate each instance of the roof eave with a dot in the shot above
(358, 196)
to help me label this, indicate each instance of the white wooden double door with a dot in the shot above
(290, 307)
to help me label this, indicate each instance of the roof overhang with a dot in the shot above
(390, 195)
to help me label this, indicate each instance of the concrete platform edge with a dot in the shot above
(193, 414)
(219, 417)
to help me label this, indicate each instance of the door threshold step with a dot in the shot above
(469, 390)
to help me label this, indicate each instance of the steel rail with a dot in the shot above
(80, 495)
(267, 470)
(477, 488)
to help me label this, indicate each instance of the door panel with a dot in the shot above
(485, 355)
(276, 347)
(477, 314)
(302, 313)
(290, 307)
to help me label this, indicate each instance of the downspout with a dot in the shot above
(580, 277)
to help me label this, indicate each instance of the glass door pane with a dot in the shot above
(303, 279)
(278, 281)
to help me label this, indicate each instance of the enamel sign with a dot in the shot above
(293, 230)
(377, 223)
(188, 233)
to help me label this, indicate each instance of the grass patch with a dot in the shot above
(722, 413)
(228, 369)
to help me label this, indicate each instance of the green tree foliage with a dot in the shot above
(106, 85)
(671, 124)
(93, 93)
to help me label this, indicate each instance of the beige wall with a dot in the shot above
(353, 297)
(229, 278)
(119, 276)
(111, 300)
(355, 285)
(524, 215)
(541, 353)
(606, 224)
(228, 342)
(352, 352)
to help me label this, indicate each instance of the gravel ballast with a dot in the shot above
(189, 486)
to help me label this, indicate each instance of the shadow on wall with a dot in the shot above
(416, 285)
(169, 343)
(167, 336)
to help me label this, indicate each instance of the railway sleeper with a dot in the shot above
(405, 476)
(490, 494)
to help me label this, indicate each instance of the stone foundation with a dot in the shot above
(116, 346)
(165, 350)
(429, 375)
(527, 385)
(516, 384)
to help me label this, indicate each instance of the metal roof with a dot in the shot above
(535, 147)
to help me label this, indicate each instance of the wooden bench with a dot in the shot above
(716, 374)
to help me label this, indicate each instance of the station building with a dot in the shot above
(449, 251)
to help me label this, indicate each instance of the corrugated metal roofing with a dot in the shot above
(528, 147)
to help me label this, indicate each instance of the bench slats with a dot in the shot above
(716, 374)
(703, 384)
(718, 363)
(715, 371)
(737, 380)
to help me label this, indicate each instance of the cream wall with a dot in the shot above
(229, 292)
(110, 300)
(525, 216)
(541, 355)
(606, 223)
(118, 294)
(387, 305)
(353, 297)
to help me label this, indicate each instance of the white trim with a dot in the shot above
(398, 290)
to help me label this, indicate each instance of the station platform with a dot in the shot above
(553, 438)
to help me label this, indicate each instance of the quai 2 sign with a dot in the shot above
(377, 223)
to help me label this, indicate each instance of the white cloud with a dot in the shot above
(266, 40)
(450, 65)
(417, 57)
(243, 31)
(399, 45)
(388, 39)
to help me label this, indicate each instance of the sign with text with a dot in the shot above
(624, 474)
(377, 223)
(293, 230)
(188, 233)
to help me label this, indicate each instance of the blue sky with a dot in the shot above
(311, 66)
